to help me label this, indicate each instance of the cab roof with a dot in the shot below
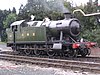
(17, 22)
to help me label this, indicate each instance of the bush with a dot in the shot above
(93, 35)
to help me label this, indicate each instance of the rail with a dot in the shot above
(58, 63)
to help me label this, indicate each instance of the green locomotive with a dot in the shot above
(50, 37)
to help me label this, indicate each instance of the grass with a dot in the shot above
(2, 43)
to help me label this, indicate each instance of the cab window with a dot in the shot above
(14, 27)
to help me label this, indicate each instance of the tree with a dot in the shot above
(14, 10)
(6, 23)
(3, 15)
(1, 23)
(90, 29)
(9, 11)
(42, 8)
(9, 19)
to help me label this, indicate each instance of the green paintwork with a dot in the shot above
(35, 34)
(9, 34)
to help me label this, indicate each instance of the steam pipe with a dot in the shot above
(86, 15)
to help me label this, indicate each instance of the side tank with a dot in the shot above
(25, 33)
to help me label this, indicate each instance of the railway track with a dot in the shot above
(79, 58)
(58, 63)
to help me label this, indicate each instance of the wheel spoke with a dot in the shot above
(50, 52)
(70, 53)
(36, 51)
(27, 50)
(84, 52)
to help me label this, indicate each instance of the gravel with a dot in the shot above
(3, 47)
(13, 68)
(10, 68)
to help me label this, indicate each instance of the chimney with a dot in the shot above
(67, 15)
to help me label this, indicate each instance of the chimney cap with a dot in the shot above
(67, 13)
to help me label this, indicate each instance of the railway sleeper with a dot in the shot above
(56, 64)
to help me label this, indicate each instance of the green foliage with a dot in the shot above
(9, 19)
(54, 10)
(90, 27)
(2, 43)
(54, 15)
(3, 14)
(41, 8)
(14, 10)
(93, 35)
(68, 5)
(3, 36)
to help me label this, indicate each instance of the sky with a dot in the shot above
(79, 2)
(6, 4)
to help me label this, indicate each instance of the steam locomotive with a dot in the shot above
(48, 37)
